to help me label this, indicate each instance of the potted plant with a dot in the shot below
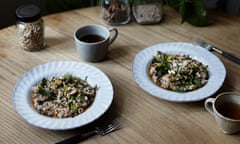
(191, 11)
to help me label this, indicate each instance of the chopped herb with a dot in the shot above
(74, 107)
(86, 77)
(43, 82)
(177, 72)
(61, 96)
(68, 77)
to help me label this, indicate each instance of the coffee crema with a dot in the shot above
(230, 110)
(91, 38)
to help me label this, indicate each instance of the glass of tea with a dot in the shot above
(226, 110)
(92, 41)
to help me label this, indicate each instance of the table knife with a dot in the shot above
(210, 47)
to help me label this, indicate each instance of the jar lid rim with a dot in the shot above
(28, 13)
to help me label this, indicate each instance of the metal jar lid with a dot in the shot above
(28, 13)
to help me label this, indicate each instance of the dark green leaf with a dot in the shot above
(42, 91)
(198, 14)
(191, 11)
(48, 93)
(197, 82)
(68, 77)
(182, 11)
(43, 82)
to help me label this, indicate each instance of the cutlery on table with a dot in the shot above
(210, 47)
(112, 126)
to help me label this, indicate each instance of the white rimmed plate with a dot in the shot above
(217, 71)
(22, 89)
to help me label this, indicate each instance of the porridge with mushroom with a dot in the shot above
(178, 73)
(62, 96)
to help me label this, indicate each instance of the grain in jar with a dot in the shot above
(30, 27)
(147, 11)
(115, 12)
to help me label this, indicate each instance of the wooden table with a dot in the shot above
(145, 119)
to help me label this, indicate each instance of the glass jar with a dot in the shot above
(30, 28)
(147, 11)
(115, 12)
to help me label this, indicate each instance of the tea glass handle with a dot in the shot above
(114, 35)
(209, 105)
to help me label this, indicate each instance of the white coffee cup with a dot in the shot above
(226, 110)
(92, 41)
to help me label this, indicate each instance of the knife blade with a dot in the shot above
(210, 47)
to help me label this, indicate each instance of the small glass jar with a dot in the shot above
(115, 12)
(30, 28)
(147, 11)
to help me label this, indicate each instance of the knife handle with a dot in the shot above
(231, 57)
(77, 138)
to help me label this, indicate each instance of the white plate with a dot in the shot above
(22, 89)
(217, 71)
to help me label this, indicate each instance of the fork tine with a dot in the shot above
(108, 128)
(98, 130)
(113, 125)
(106, 131)
(111, 128)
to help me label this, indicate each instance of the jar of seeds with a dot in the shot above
(147, 11)
(115, 12)
(30, 27)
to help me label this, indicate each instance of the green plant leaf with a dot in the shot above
(182, 10)
(198, 13)
(191, 11)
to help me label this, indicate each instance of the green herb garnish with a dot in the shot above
(74, 107)
(68, 77)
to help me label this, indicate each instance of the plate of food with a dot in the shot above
(62, 95)
(178, 72)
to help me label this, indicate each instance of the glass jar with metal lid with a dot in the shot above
(30, 27)
(147, 11)
(115, 12)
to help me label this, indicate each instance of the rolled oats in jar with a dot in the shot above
(30, 28)
(147, 11)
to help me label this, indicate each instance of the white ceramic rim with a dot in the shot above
(217, 71)
(102, 102)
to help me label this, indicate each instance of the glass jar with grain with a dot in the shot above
(147, 11)
(30, 27)
(115, 12)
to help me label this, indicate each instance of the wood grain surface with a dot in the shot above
(145, 119)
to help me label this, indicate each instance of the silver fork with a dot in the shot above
(210, 47)
(112, 126)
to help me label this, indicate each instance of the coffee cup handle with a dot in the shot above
(114, 35)
(209, 105)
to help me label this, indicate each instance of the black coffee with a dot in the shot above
(91, 38)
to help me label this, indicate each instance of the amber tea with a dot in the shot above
(226, 110)
(230, 110)
(91, 38)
